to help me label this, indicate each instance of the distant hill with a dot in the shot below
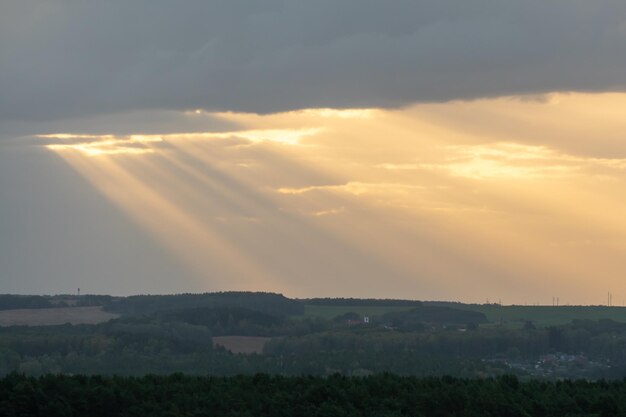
(361, 302)
(513, 316)
(264, 302)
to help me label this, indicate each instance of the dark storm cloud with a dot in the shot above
(63, 59)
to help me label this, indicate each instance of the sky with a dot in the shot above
(448, 150)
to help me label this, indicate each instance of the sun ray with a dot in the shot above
(192, 240)
(438, 198)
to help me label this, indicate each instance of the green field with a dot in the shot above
(329, 312)
(545, 315)
(510, 316)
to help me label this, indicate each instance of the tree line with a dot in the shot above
(336, 396)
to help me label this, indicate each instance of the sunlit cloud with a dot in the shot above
(106, 147)
(283, 136)
(355, 188)
(505, 161)
(329, 212)
(75, 136)
(514, 161)
(95, 145)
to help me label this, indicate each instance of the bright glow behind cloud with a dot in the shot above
(505, 198)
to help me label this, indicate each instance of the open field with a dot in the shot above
(242, 344)
(328, 312)
(54, 316)
(541, 316)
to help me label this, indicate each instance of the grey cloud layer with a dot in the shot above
(63, 59)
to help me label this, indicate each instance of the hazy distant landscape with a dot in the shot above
(244, 333)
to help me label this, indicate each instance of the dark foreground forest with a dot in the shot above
(334, 396)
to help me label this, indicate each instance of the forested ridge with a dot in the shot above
(360, 302)
(263, 302)
(333, 396)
